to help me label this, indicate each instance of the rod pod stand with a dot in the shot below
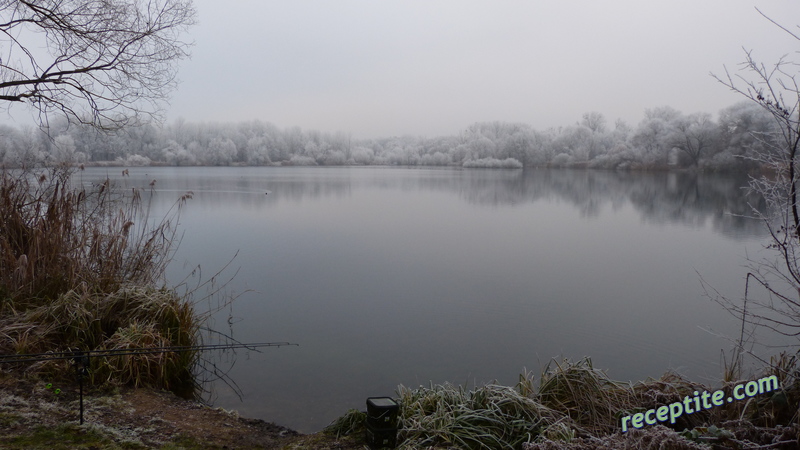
(81, 358)
(81, 361)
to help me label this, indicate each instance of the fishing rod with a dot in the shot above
(72, 353)
(81, 358)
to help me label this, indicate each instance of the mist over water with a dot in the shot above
(389, 276)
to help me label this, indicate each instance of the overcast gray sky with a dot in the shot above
(432, 67)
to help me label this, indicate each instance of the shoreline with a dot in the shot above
(34, 415)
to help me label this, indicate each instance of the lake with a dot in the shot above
(388, 276)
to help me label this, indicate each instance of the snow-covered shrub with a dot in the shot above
(493, 163)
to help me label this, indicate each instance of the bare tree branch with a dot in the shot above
(778, 25)
(108, 63)
(776, 89)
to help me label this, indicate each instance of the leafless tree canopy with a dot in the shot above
(107, 63)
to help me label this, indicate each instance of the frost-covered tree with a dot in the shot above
(775, 88)
(64, 150)
(26, 148)
(594, 121)
(176, 154)
(695, 136)
(220, 152)
(746, 131)
(363, 155)
(520, 145)
(577, 142)
(651, 139)
(256, 151)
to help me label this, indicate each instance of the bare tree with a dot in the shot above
(694, 135)
(105, 63)
(594, 121)
(776, 89)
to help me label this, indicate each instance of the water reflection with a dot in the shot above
(690, 199)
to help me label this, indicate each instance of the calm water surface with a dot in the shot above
(389, 276)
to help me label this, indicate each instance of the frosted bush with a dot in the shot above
(493, 163)
(133, 160)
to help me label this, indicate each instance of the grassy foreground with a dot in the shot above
(565, 410)
(576, 406)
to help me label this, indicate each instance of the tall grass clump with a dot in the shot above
(595, 402)
(571, 399)
(490, 416)
(84, 268)
(586, 394)
(56, 237)
(778, 408)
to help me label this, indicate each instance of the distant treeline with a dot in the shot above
(664, 138)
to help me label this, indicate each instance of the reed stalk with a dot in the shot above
(84, 268)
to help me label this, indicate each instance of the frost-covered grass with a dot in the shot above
(575, 404)
(489, 416)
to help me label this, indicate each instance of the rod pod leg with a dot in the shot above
(81, 361)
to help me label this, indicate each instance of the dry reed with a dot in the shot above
(82, 269)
